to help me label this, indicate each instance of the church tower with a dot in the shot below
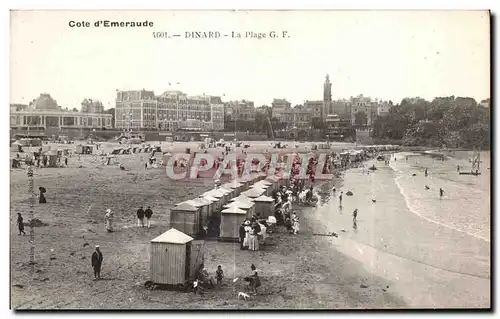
(327, 96)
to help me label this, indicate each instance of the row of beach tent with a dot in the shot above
(236, 201)
(133, 150)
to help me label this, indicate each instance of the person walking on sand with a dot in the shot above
(140, 217)
(426, 172)
(148, 214)
(355, 216)
(253, 279)
(243, 234)
(20, 224)
(219, 274)
(42, 199)
(65, 161)
(340, 198)
(109, 220)
(441, 192)
(97, 262)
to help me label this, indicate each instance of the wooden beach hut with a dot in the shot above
(245, 181)
(228, 192)
(247, 206)
(233, 190)
(254, 192)
(267, 188)
(51, 158)
(238, 187)
(242, 198)
(231, 219)
(218, 194)
(204, 206)
(254, 178)
(264, 206)
(84, 149)
(215, 204)
(175, 257)
(186, 218)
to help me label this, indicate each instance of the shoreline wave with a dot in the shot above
(412, 209)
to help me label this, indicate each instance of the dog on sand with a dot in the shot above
(243, 295)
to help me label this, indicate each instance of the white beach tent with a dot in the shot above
(264, 206)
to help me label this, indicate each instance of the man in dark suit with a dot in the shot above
(97, 262)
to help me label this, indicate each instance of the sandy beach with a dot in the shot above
(395, 259)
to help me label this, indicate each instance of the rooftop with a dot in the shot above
(173, 236)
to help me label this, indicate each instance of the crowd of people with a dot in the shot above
(252, 233)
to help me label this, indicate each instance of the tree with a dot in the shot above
(317, 123)
(360, 118)
(74, 109)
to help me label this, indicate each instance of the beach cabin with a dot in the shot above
(247, 206)
(215, 204)
(218, 194)
(238, 187)
(228, 192)
(175, 257)
(16, 147)
(204, 206)
(245, 182)
(253, 193)
(241, 198)
(30, 142)
(186, 218)
(51, 158)
(264, 206)
(231, 219)
(268, 190)
(84, 149)
(233, 190)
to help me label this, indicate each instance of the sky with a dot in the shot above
(382, 54)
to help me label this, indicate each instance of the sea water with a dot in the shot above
(465, 205)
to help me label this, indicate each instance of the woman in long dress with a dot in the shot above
(253, 242)
(109, 220)
(295, 226)
(247, 234)
(42, 199)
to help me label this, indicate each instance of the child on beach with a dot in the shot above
(219, 274)
(355, 216)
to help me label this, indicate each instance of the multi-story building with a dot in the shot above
(91, 106)
(280, 109)
(383, 108)
(365, 105)
(216, 113)
(337, 129)
(169, 111)
(136, 110)
(43, 113)
(316, 107)
(302, 117)
(242, 110)
(342, 108)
